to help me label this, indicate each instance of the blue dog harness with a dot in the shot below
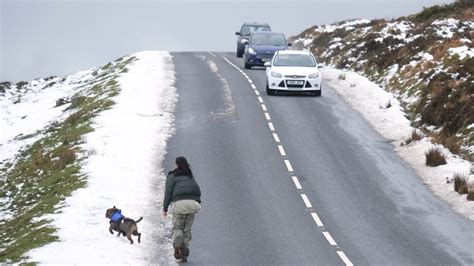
(117, 216)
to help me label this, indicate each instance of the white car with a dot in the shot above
(292, 70)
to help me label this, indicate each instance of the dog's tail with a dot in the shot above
(137, 221)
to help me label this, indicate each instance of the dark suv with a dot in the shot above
(244, 34)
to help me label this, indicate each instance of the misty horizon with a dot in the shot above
(40, 39)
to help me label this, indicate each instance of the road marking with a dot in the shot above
(344, 258)
(316, 219)
(308, 204)
(297, 182)
(282, 151)
(329, 238)
(270, 125)
(267, 116)
(275, 136)
(288, 165)
(306, 201)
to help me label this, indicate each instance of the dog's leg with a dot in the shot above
(129, 236)
(110, 229)
(135, 233)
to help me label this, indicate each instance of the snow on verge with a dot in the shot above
(127, 147)
(371, 101)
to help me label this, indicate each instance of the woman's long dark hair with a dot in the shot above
(183, 167)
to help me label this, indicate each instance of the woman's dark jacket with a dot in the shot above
(180, 187)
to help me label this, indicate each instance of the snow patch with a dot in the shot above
(125, 170)
(462, 52)
(372, 101)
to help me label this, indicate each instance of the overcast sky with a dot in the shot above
(43, 38)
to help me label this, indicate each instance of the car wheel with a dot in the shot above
(247, 66)
(269, 92)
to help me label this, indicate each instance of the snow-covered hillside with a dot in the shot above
(425, 60)
(423, 65)
(98, 135)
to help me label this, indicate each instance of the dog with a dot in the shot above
(123, 225)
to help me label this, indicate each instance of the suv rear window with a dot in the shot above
(246, 30)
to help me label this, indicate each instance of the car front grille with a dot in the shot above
(265, 56)
(295, 76)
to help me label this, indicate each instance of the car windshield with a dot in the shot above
(268, 39)
(246, 30)
(296, 60)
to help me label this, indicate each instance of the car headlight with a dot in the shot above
(314, 75)
(242, 41)
(276, 75)
(252, 51)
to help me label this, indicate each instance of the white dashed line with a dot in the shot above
(282, 151)
(329, 238)
(297, 182)
(306, 201)
(288, 165)
(270, 125)
(344, 258)
(211, 53)
(275, 136)
(316, 219)
(267, 116)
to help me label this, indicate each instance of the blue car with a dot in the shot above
(261, 46)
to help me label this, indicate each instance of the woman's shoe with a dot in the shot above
(178, 252)
(185, 251)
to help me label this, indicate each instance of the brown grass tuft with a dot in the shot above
(470, 194)
(460, 184)
(415, 136)
(434, 157)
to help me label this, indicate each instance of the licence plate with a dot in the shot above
(265, 59)
(295, 82)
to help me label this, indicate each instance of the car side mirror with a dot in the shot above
(320, 65)
(289, 44)
(267, 64)
(237, 33)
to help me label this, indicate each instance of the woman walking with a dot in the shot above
(184, 195)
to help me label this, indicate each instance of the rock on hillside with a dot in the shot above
(426, 60)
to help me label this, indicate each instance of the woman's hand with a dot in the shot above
(164, 214)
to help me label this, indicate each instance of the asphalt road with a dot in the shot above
(373, 209)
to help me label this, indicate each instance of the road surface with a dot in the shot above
(299, 180)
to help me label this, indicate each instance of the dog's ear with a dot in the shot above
(114, 207)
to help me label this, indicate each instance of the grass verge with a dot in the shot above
(43, 174)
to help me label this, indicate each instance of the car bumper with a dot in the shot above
(289, 84)
(258, 60)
